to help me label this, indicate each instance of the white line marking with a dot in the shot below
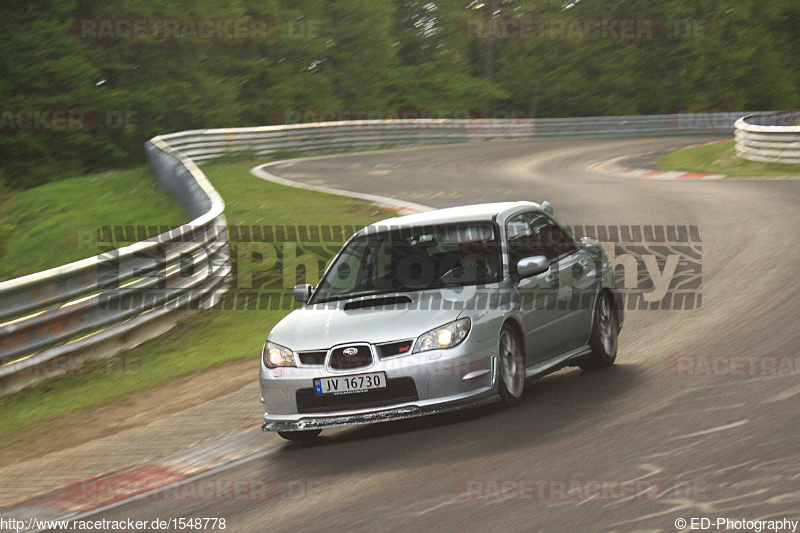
(784, 395)
(714, 430)
(383, 201)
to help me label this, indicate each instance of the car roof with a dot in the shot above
(464, 213)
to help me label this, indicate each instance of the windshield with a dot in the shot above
(412, 259)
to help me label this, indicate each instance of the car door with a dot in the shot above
(574, 273)
(539, 310)
(556, 304)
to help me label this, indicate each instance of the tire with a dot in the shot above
(300, 436)
(511, 366)
(603, 340)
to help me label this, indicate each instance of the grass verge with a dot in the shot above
(204, 339)
(721, 158)
(32, 222)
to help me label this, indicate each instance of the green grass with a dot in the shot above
(33, 223)
(721, 158)
(207, 338)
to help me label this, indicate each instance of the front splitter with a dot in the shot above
(386, 415)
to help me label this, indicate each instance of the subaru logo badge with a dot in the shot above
(350, 351)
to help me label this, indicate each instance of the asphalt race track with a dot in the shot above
(632, 447)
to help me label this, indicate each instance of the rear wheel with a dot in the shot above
(603, 340)
(512, 367)
(300, 435)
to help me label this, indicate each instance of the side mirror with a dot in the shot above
(547, 207)
(530, 266)
(592, 245)
(302, 292)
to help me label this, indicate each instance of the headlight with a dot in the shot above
(445, 336)
(275, 355)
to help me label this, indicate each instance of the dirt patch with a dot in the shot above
(137, 409)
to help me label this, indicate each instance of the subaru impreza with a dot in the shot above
(438, 311)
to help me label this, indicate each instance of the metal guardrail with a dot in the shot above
(55, 314)
(50, 316)
(769, 137)
(327, 137)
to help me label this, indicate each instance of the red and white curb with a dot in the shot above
(613, 167)
(616, 167)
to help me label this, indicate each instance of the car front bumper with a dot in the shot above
(444, 380)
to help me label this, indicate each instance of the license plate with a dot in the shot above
(350, 384)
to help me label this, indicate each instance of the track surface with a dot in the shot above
(709, 446)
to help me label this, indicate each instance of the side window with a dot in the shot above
(549, 238)
(534, 233)
(520, 239)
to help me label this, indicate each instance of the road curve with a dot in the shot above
(692, 446)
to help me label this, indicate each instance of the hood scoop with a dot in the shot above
(385, 301)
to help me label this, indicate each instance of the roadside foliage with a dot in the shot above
(85, 83)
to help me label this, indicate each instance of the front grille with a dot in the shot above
(316, 358)
(398, 390)
(341, 361)
(395, 348)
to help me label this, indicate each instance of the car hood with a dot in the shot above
(317, 327)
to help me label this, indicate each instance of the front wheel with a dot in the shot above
(512, 367)
(300, 435)
(603, 340)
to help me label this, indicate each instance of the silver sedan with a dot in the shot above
(439, 311)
